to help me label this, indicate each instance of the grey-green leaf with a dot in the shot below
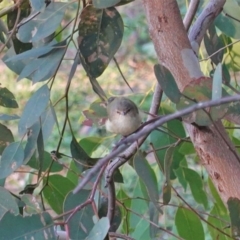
(12, 158)
(33, 109)
(217, 83)
(105, 4)
(167, 82)
(7, 202)
(147, 175)
(100, 230)
(36, 226)
(6, 117)
(43, 24)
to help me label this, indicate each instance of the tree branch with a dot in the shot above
(152, 124)
(192, 9)
(205, 19)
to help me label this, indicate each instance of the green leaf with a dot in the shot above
(44, 24)
(33, 109)
(83, 160)
(100, 35)
(7, 203)
(105, 4)
(7, 99)
(90, 144)
(180, 175)
(226, 24)
(56, 190)
(196, 185)
(188, 225)
(37, 226)
(34, 163)
(219, 220)
(187, 148)
(221, 206)
(234, 210)
(99, 230)
(6, 137)
(148, 176)
(217, 83)
(232, 57)
(168, 159)
(213, 43)
(72, 173)
(12, 159)
(81, 223)
(167, 82)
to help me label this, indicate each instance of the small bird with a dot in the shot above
(123, 116)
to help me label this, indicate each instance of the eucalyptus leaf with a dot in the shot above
(99, 230)
(234, 210)
(81, 223)
(6, 137)
(7, 99)
(100, 35)
(37, 5)
(189, 225)
(167, 82)
(12, 159)
(17, 68)
(45, 66)
(33, 109)
(196, 185)
(44, 24)
(105, 4)
(226, 24)
(36, 226)
(217, 83)
(56, 191)
(148, 176)
(7, 202)
(31, 141)
(6, 117)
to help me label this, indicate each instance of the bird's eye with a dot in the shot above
(126, 111)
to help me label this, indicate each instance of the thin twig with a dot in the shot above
(192, 9)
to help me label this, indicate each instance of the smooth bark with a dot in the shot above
(174, 51)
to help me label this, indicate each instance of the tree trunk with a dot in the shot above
(216, 152)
